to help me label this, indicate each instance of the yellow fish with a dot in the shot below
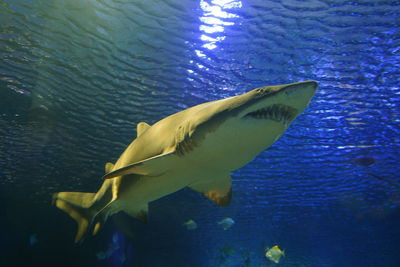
(190, 224)
(274, 254)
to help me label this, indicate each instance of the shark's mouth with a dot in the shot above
(276, 112)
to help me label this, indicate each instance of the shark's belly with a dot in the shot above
(232, 147)
(150, 188)
(222, 151)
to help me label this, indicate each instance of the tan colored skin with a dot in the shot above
(202, 145)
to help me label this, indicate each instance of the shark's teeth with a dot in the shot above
(276, 112)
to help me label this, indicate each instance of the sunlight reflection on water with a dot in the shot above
(215, 18)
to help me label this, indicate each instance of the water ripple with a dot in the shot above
(77, 76)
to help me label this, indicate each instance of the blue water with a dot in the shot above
(76, 76)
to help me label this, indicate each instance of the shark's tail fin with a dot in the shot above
(80, 207)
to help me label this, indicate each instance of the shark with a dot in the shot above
(198, 148)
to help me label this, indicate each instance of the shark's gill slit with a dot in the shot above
(275, 112)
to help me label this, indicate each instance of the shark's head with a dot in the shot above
(242, 126)
(279, 104)
(238, 128)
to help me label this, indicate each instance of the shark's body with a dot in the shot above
(197, 147)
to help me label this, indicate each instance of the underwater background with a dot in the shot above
(76, 76)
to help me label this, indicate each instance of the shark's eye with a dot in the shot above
(262, 91)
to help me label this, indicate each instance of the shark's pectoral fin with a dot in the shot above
(218, 190)
(141, 128)
(109, 166)
(152, 166)
(140, 213)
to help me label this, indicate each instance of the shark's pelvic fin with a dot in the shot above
(218, 190)
(139, 213)
(152, 166)
(109, 166)
(141, 128)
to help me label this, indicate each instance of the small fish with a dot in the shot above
(226, 223)
(365, 161)
(227, 250)
(274, 254)
(224, 253)
(190, 225)
(101, 255)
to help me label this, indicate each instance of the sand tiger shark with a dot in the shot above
(197, 148)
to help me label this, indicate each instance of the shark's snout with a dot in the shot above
(307, 89)
(298, 95)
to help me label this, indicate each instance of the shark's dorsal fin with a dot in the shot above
(152, 166)
(218, 190)
(109, 166)
(141, 128)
